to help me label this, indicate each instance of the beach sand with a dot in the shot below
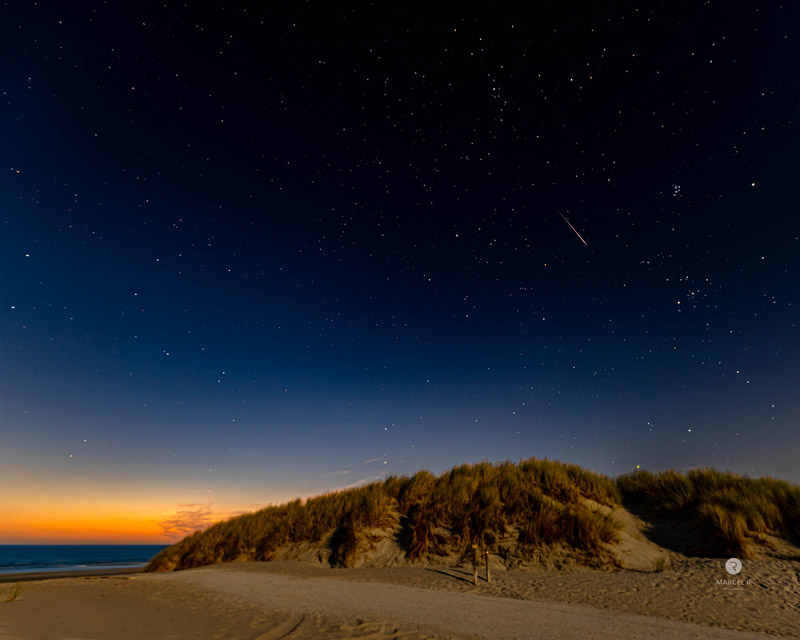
(263, 601)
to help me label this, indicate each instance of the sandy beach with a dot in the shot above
(301, 600)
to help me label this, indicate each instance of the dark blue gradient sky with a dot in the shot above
(251, 253)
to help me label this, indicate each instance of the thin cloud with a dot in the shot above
(188, 519)
(363, 481)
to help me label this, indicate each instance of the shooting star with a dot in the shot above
(573, 228)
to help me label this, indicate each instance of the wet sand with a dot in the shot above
(52, 575)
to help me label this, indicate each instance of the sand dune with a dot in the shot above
(265, 601)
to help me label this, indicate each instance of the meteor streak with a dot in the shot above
(573, 228)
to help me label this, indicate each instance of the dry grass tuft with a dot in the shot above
(9, 594)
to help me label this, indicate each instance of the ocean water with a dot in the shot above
(35, 558)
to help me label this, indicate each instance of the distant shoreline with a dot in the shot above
(77, 573)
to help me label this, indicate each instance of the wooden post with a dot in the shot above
(488, 575)
(474, 564)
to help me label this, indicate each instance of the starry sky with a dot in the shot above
(267, 250)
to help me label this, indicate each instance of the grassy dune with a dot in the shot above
(730, 512)
(514, 509)
(541, 500)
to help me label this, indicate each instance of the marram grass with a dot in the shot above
(729, 510)
(539, 503)
(9, 594)
(544, 501)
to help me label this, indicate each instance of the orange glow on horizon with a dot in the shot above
(83, 529)
(106, 524)
(54, 509)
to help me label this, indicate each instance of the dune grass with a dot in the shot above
(730, 510)
(543, 500)
(9, 594)
(536, 503)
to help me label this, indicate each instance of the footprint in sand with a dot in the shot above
(376, 631)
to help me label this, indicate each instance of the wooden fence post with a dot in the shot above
(475, 563)
(488, 575)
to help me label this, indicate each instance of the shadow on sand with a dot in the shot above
(677, 534)
(452, 573)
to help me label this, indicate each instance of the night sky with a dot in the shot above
(274, 249)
